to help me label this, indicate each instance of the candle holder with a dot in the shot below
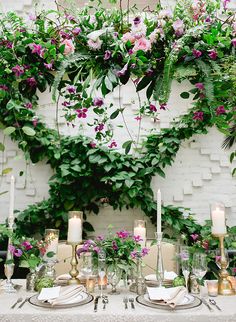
(140, 230)
(224, 286)
(160, 267)
(74, 262)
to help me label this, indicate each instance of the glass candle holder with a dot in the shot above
(51, 238)
(218, 219)
(212, 287)
(141, 231)
(90, 284)
(75, 219)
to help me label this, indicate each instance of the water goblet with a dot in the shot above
(101, 269)
(87, 267)
(9, 270)
(114, 276)
(185, 264)
(199, 266)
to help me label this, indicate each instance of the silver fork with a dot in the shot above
(125, 301)
(131, 300)
(25, 300)
(20, 299)
(213, 302)
(104, 301)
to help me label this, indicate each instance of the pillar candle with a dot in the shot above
(74, 230)
(52, 246)
(218, 221)
(159, 211)
(140, 231)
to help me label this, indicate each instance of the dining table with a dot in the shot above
(115, 310)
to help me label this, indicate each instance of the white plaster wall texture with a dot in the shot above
(200, 175)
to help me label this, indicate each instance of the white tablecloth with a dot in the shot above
(115, 311)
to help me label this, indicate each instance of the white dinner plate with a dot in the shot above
(188, 299)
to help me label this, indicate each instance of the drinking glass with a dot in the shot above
(186, 268)
(87, 266)
(199, 265)
(101, 268)
(9, 270)
(114, 276)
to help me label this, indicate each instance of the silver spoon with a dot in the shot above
(213, 302)
(20, 299)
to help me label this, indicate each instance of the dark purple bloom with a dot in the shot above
(18, 70)
(53, 41)
(112, 145)
(198, 116)
(233, 42)
(65, 35)
(196, 53)
(114, 245)
(31, 81)
(194, 236)
(137, 21)
(28, 105)
(200, 86)
(80, 251)
(36, 49)
(145, 251)
(9, 44)
(220, 110)
(66, 104)
(123, 234)
(138, 118)
(98, 101)
(4, 88)
(153, 108)
(163, 106)
(99, 127)
(130, 52)
(71, 89)
(212, 54)
(208, 19)
(107, 55)
(76, 31)
(96, 249)
(81, 113)
(149, 72)
(27, 245)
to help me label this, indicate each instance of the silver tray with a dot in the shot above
(141, 300)
(34, 301)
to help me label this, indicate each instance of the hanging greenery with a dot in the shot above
(104, 51)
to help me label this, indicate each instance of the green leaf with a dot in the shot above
(185, 95)
(114, 114)
(69, 204)
(2, 147)
(108, 84)
(127, 146)
(9, 130)
(28, 131)
(6, 171)
(50, 254)
(144, 83)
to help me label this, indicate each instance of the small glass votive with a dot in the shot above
(102, 283)
(212, 287)
(232, 280)
(90, 284)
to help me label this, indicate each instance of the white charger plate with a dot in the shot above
(188, 299)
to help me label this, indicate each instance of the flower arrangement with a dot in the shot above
(121, 249)
(29, 251)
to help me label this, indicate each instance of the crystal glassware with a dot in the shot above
(9, 270)
(101, 269)
(87, 266)
(199, 265)
(114, 276)
(186, 268)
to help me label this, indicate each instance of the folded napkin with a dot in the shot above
(167, 276)
(170, 296)
(68, 295)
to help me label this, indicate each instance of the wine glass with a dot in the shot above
(87, 267)
(185, 264)
(114, 276)
(9, 270)
(101, 268)
(199, 265)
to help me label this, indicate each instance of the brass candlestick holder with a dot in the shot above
(224, 286)
(74, 262)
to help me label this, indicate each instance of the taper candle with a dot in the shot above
(11, 203)
(159, 211)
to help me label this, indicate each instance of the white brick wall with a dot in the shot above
(200, 175)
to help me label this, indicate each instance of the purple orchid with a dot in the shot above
(114, 245)
(28, 105)
(98, 101)
(76, 31)
(27, 245)
(163, 106)
(137, 238)
(137, 21)
(123, 234)
(18, 70)
(123, 71)
(198, 116)
(36, 49)
(112, 145)
(48, 66)
(99, 127)
(144, 251)
(233, 42)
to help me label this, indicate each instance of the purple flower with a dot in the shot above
(28, 105)
(81, 113)
(100, 237)
(76, 31)
(107, 55)
(18, 252)
(196, 53)
(137, 21)
(194, 236)
(184, 255)
(225, 3)
(133, 66)
(153, 108)
(200, 86)
(96, 249)
(217, 258)
(11, 249)
(36, 49)
(220, 110)
(65, 35)
(198, 116)
(234, 270)
(114, 245)
(93, 144)
(4, 88)
(99, 127)
(18, 70)
(134, 254)
(123, 71)
(130, 52)
(80, 251)
(149, 72)
(123, 234)
(66, 104)
(163, 106)
(112, 145)
(233, 42)
(32, 16)
(208, 19)
(31, 81)
(71, 89)
(48, 66)
(138, 118)
(98, 101)
(144, 251)
(212, 54)
(205, 244)
(35, 122)
(137, 238)
(178, 26)
(27, 245)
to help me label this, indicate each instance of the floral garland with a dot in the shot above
(150, 51)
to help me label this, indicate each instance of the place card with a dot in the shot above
(49, 293)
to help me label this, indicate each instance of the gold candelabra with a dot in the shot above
(74, 262)
(224, 286)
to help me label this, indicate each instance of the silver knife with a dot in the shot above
(207, 305)
(26, 300)
(96, 303)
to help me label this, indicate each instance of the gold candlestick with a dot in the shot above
(224, 286)
(74, 262)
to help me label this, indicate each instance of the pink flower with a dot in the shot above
(11, 249)
(233, 42)
(35, 122)
(137, 238)
(225, 3)
(32, 16)
(178, 26)
(123, 71)
(138, 118)
(194, 236)
(123, 234)
(98, 101)
(76, 31)
(128, 37)
(95, 45)
(48, 66)
(198, 116)
(27, 245)
(153, 108)
(28, 105)
(81, 113)
(36, 49)
(220, 110)
(107, 55)
(71, 89)
(212, 54)
(99, 127)
(4, 88)
(92, 144)
(18, 70)
(163, 106)
(18, 252)
(112, 145)
(144, 251)
(142, 44)
(134, 254)
(196, 53)
(200, 86)
(205, 244)
(114, 245)
(69, 46)
(31, 81)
